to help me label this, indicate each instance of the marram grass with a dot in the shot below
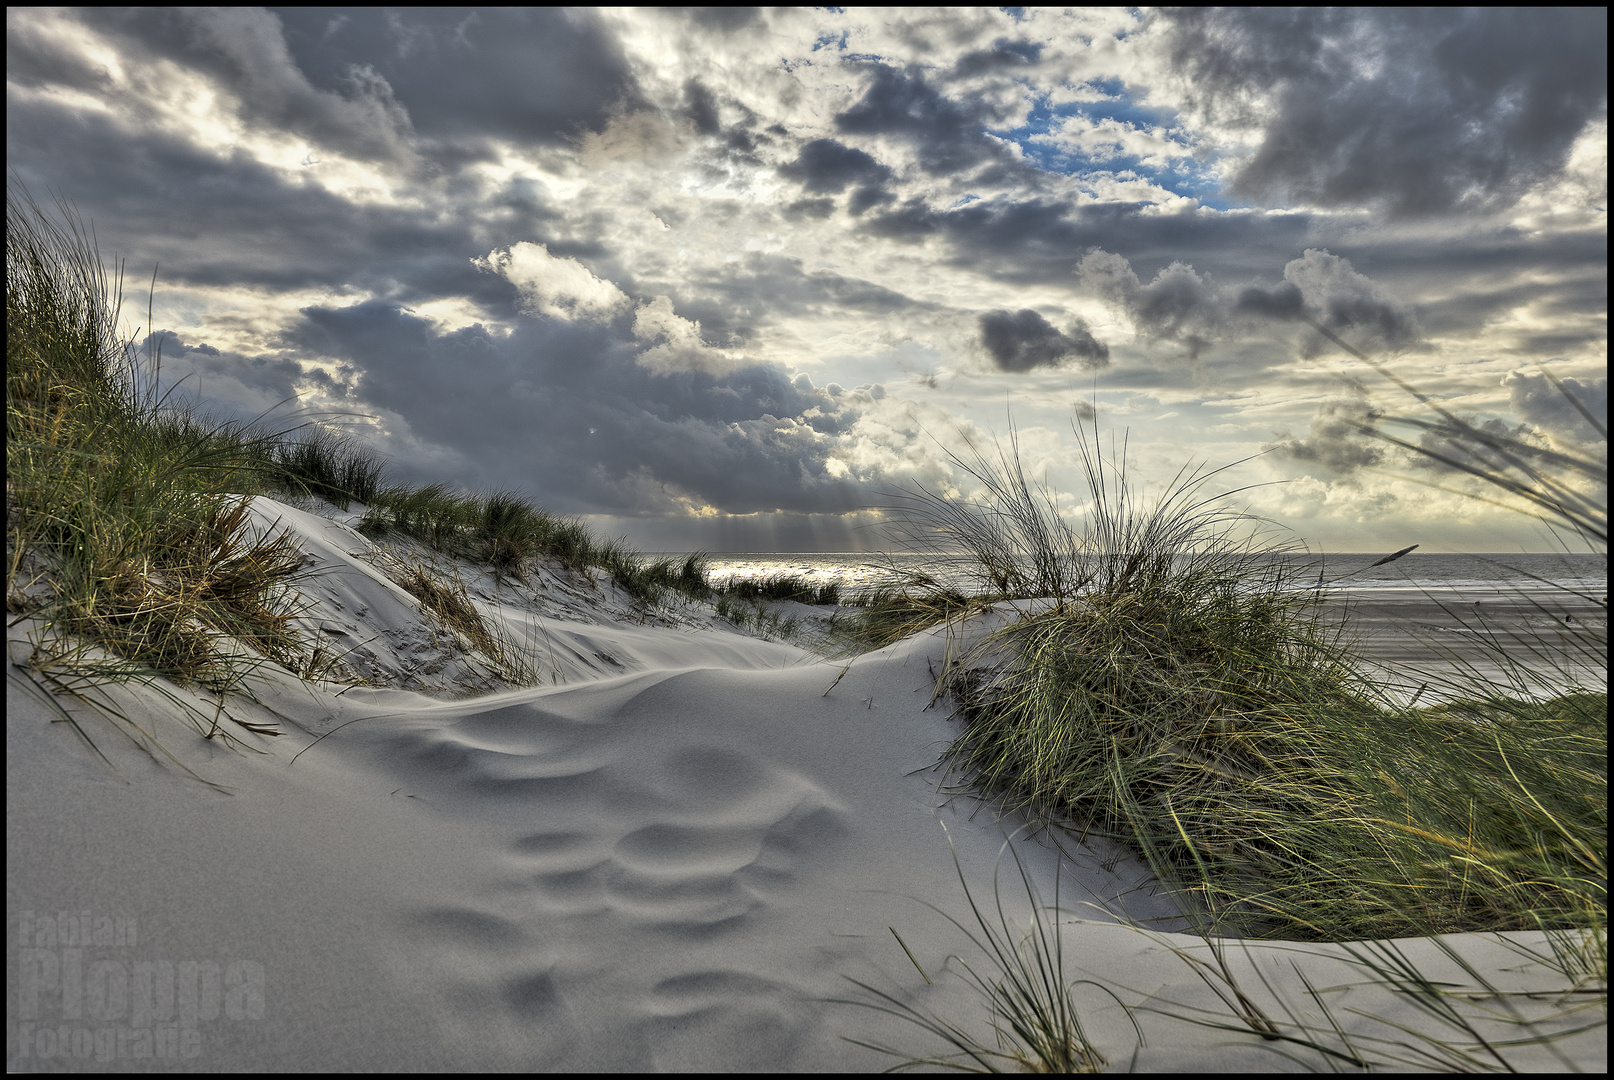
(1178, 690)
(1181, 689)
(127, 533)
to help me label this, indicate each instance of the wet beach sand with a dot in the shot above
(1417, 637)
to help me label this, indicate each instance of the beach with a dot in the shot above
(1446, 639)
(672, 854)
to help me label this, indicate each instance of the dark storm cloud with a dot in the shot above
(1418, 110)
(725, 19)
(1561, 303)
(1023, 340)
(1340, 440)
(702, 108)
(1443, 455)
(946, 134)
(467, 76)
(1554, 410)
(208, 219)
(1336, 441)
(34, 59)
(818, 209)
(1282, 303)
(705, 111)
(267, 380)
(867, 197)
(827, 167)
(1039, 239)
(261, 393)
(564, 411)
(732, 300)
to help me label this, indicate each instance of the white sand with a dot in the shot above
(669, 860)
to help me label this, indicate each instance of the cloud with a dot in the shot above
(1326, 288)
(565, 410)
(1336, 440)
(233, 387)
(1283, 302)
(677, 342)
(947, 135)
(239, 53)
(1415, 110)
(1183, 307)
(1023, 340)
(1108, 138)
(557, 287)
(725, 20)
(703, 110)
(1006, 54)
(827, 167)
(567, 290)
(1349, 302)
(818, 191)
(470, 80)
(1474, 452)
(1178, 306)
(1549, 408)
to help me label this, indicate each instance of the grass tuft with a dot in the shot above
(1178, 688)
(1036, 1023)
(785, 586)
(129, 539)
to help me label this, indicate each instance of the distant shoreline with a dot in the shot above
(1441, 572)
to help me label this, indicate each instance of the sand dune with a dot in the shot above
(671, 855)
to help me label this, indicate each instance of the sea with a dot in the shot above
(1430, 573)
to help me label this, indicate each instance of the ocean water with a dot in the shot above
(1428, 572)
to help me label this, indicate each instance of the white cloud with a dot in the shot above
(559, 288)
(678, 344)
(1108, 138)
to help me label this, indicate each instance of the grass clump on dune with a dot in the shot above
(889, 613)
(505, 531)
(128, 535)
(784, 586)
(325, 465)
(1177, 686)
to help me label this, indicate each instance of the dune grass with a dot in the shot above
(127, 534)
(1180, 689)
(885, 615)
(1170, 682)
(784, 586)
(1176, 688)
(323, 464)
(1036, 1025)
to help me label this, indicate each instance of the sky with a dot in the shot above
(736, 279)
